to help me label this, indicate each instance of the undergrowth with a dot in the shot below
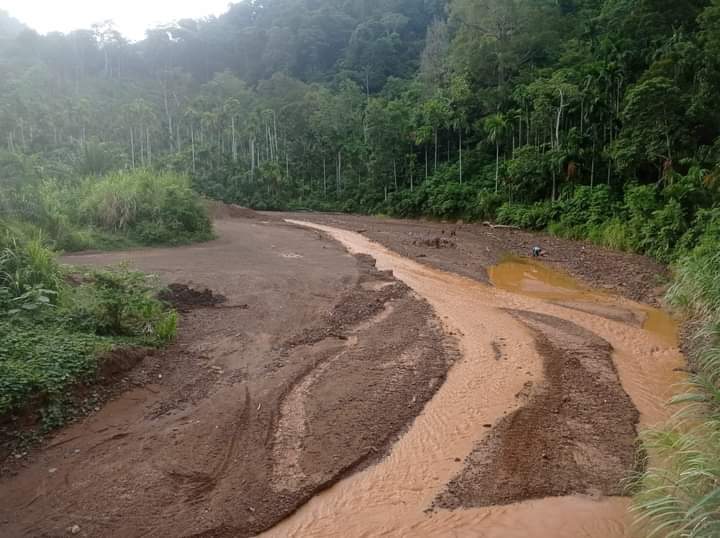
(55, 322)
(120, 210)
(679, 495)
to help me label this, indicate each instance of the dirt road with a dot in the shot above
(534, 427)
(307, 372)
(450, 407)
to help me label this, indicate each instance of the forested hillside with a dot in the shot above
(463, 109)
(593, 118)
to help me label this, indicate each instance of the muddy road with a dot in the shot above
(432, 388)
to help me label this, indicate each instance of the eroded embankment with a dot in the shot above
(517, 349)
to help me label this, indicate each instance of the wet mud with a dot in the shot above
(479, 447)
(254, 410)
(437, 387)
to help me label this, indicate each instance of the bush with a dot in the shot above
(40, 361)
(51, 331)
(148, 207)
(28, 270)
(531, 217)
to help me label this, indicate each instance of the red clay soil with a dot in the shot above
(575, 433)
(308, 370)
(469, 249)
(315, 363)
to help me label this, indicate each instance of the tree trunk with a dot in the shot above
(497, 167)
(338, 173)
(395, 174)
(592, 168)
(234, 140)
(426, 163)
(149, 150)
(460, 151)
(167, 113)
(436, 151)
(252, 160)
(192, 145)
(132, 148)
(324, 178)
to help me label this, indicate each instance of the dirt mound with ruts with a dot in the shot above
(220, 211)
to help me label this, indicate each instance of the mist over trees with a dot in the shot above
(470, 108)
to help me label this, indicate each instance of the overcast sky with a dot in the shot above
(131, 17)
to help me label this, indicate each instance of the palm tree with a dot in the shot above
(495, 127)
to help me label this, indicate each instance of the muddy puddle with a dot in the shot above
(393, 498)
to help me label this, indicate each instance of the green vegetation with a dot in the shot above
(593, 119)
(115, 210)
(679, 495)
(54, 324)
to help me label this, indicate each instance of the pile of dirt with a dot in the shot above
(575, 434)
(185, 298)
(435, 242)
(219, 211)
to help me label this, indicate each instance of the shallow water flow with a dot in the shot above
(392, 497)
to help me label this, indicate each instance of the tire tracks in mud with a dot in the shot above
(191, 452)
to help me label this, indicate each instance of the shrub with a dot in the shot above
(532, 217)
(118, 302)
(150, 208)
(26, 265)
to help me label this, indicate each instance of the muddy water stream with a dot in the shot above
(391, 498)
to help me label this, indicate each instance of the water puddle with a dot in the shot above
(531, 278)
(391, 499)
(650, 375)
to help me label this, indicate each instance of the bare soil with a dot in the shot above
(211, 443)
(298, 364)
(469, 249)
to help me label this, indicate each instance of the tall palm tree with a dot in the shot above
(495, 127)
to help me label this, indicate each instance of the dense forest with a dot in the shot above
(524, 111)
(594, 119)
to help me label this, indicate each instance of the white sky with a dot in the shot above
(131, 17)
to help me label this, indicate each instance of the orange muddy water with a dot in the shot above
(392, 498)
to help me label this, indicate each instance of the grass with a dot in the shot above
(679, 496)
(120, 210)
(53, 327)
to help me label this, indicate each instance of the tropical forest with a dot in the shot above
(579, 120)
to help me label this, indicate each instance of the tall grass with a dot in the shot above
(26, 264)
(679, 496)
(149, 207)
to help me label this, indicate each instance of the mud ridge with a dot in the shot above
(575, 435)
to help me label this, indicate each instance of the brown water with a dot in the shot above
(390, 498)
